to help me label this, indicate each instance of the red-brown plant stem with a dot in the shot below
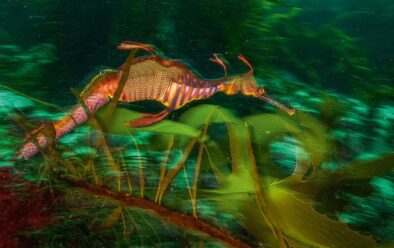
(182, 220)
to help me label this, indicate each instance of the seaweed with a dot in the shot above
(208, 178)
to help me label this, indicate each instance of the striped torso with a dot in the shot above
(169, 82)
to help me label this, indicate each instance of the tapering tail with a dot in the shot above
(77, 116)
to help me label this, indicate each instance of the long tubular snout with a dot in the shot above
(268, 99)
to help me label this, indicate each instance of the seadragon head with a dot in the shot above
(246, 84)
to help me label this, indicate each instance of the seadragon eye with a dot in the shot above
(260, 91)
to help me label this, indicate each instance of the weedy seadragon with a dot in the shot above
(151, 77)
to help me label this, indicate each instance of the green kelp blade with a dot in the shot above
(357, 170)
(310, 134)
(313, 138)
(217, 158)
(293, 215)
(197, 117)
(268, 127)
(298, 220)
(117, 124)
(366, 169)
(208, 114)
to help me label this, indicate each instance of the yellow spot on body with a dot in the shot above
(181, 93)
(172, 92)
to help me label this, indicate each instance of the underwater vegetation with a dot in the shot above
(227, 171)
(209, 178)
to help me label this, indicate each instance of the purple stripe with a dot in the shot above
(193, 95)
(201, 93)
(183, 95)
(212, 91)
(207, 92)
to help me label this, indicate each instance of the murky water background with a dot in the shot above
(331, 60)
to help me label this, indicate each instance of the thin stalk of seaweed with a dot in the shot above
(190, 192)
(140, 167)
(33, 98)
(124, 224)
(70, 166)
(198, 167)
(165, 214)
(101, 138)
(234, 146)
(216, 171)
(111, 219)
(150, 226)
(129, 182)
(164, 166)
(121, 85)
(137, 229)
(92, 165)
(171, 174)
(259, 192)
(107, 152)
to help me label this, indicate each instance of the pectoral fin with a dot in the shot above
(148, 119)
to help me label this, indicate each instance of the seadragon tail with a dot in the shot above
(76, 117)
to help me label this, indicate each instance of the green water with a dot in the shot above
(333, 61)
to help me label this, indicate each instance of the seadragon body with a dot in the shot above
(147, 78)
